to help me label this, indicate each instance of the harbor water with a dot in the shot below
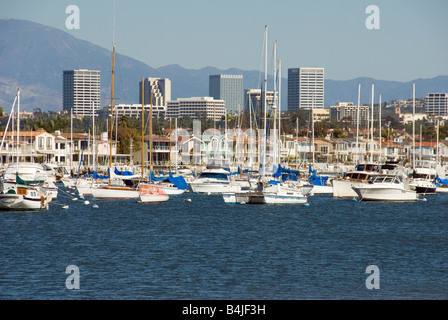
(206, 249)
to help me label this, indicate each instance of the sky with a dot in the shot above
(409, 40)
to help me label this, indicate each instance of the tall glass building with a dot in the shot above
(305, 88)
(229, 88)
(81, 91)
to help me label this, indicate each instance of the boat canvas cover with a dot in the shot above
(21, 181)
(179, 182)
(122, 173)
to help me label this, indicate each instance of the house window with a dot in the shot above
(40, 143)
(49, 144)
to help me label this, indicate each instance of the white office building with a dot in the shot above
(81, 91)
(196, 108)
(160, 89)
(437, 104)
(135, 110)
(305, 88)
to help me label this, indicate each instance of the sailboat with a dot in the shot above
(115, 188)
(149, 192)
(270, 192)
(18, 194)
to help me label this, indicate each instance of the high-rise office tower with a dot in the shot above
(305, 88)
(160, 88)
(437, 104)
(81, 91)
(228, 88)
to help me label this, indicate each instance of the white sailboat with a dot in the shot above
(19, 194)
(114, 189)
(149, 192)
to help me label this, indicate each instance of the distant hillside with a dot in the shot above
(33, 56)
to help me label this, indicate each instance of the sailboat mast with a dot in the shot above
(150, 137)
(18, 128)
(357, 125)
(279, 108)
(93, 141)
(379, 121)
(111, 116)
(265, 93)
(274, 105)
(170, 144)
(143, 128)
(371, 128)
(71, 140)
(413, 125)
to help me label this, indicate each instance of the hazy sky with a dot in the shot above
(411, 41)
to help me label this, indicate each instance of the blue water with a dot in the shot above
(206, 249)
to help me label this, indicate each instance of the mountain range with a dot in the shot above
(33, 57)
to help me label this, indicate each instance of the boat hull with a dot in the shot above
(371, 193)
(18, 202)
(152, 193)
(111, 192)
(343, 189)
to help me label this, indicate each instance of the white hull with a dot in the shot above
(152, 193)
(18, 202)
(343, 189)
(442, 189)
(278, 195)
(173, 191)
(28, 199)
(284, 199)
(213, 187)
(114, 192)
(385, 193)
(69, 182)
(322, 190)
(153, 198)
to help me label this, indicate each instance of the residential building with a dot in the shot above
(81, 91)
(229, 88)
(321, 115)
(437, 104)
(160, 89)
(196, 108)
(305, 88)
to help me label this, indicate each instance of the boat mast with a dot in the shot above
(379, 120)
(7, 125)
(357, 126)
(93, 141)
(274, 106)
(170, 145)
(18, 128)
(265, 93)
(371, 129)
(143, 128)
(279, 108)
(150, 137)
(413, 125)
(111, 116)
(177, 138)
(71, 140)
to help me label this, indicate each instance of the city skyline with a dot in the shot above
(329, 34)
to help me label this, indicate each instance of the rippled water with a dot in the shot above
(206, 249)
